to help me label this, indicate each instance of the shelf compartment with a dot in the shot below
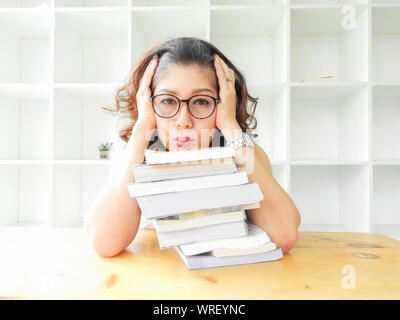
(385, 44)
(170, 3)
(92, 3)
(328, 2)
(80, 124)
(388, 230)
(329, 123)
(254, 39)
(24, 3)
(385, 122)
(91, 47)
(180, 23)
(333, 196)
(249, 2)
(386, 200)
(24, 190)
(24, 123)
(271, 115)
(75, 189)
(25, 46)
(322, 228)
(320, 46)
(385, 2)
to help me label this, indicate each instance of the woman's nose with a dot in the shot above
(183, 117)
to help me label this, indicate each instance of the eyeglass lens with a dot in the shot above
(199, 106)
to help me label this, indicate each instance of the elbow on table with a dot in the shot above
(290, 236)
(104, 246)
(293, 236)
(289, 241)
(107, 250)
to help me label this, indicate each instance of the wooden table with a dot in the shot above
(59, 263)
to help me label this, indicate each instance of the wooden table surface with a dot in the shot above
(59, 263)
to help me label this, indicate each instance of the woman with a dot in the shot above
(214, 112)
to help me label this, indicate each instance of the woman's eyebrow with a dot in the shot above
(194, 91)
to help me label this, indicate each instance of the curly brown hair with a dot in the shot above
(184, 51)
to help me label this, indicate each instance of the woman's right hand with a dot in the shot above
(145, 107)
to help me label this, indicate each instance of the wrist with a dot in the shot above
(143, 124)
(141, 133)
(231, 129)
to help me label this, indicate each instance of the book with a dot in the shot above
(204, 221)
(167, 171)
(321, 79)
(207, 260)
(201, 218)
(160, 157)
(238, 252)
(255, 237)
(176, 185)
(218, 231)
(173, 203)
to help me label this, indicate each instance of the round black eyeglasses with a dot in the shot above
(168, 105)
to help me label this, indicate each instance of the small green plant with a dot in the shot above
(105, 146)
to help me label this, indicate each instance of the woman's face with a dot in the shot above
(183, 131)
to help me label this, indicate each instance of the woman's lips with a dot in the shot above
(182, 141)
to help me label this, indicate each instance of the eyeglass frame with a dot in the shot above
(216, 101)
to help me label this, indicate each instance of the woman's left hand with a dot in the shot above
(226, 108)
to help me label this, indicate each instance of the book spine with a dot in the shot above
(153, 157)
(176, 185)
(169, 204)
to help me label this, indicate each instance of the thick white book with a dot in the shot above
(238, 252)
(255, 238)
(224, 230)
(159, 157)
(167, 171)
(176, 185)
(173, 203)
(202, 218)
(207, 260)
(215, 219)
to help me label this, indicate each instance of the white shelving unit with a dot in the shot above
(25, 45)
(94, 42)
(333, 146)
(385, 44)
(319, 32)
(329, 123)
(80, 125)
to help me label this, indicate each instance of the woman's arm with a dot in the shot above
(113, 219)
(277, 215)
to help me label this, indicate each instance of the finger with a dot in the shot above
(229, 73)
(148, 76)
(220, 74)
(222, 64)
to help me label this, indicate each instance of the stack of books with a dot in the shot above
(197, 200)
